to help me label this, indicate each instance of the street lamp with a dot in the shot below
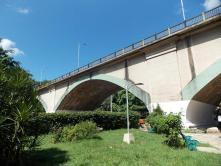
(183, 10)
(79, 47)
(42, 73)
(129, 137)
(111, 103)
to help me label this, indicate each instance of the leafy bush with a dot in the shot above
(173, 138)
(157, 121)
(44, 123)
(170, 125)
(158, 110)
(173, 131)
(173, 122)
(83, 130)
(57, 134)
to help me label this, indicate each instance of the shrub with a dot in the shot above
(158, 110)
(173, 122)
(173, 131)
(83, 130)
(57, 134)
(173, 139)
(45, 123)
(170, 125)
(157, 122)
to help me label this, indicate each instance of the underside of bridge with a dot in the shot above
(89, 95)
(202, 107)
(211, 93)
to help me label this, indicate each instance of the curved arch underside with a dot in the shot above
(211, 93)
(206, 87)
(204, 94)
(201, 108)
(89, 95)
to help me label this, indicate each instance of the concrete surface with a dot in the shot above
(212, 139)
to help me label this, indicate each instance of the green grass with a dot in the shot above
(108, 149)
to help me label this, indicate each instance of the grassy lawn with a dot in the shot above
(108, 149)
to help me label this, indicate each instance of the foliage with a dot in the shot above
(18, 104)
(157, 120)
(158, 110)
(16, 87)
(82, 130)
(119, 103)
(57, 134)
(44, 123)
(170, 125)
(173, 138)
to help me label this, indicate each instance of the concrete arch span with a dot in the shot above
(89, 92)
(204, 93)
(44, 105)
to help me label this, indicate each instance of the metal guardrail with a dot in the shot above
(145, 42)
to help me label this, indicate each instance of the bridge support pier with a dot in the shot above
(193, 113)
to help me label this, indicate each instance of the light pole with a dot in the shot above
(41, 76)
(79, 48)
(183, 11)
(129, 137)
(111, 103)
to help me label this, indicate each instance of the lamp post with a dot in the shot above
(79, 48)
(183, 11)
(128, 137)
(111, 103)
(41, 76)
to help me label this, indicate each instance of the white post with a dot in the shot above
(143, 42)
(169, 31)
(203, 15)
(42, 73)
(41, 79)
(183, 11)
(128, 123)
(79, 47)
(111, 99)
(128, 138)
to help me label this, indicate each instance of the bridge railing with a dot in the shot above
(145, 42)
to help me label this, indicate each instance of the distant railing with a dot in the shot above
(145, 42)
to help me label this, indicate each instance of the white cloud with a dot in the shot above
(7, 44)
(210, 4)
(23, 10)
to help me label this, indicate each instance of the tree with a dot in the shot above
(119, 103)
(18, 104)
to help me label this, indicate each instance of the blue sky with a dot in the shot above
(46, 32)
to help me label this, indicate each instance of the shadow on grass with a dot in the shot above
(44, 157)
(96, 137)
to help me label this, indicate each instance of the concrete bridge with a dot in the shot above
(180, 69)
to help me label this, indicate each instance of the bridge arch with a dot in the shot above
(89, 92)
(204, 93)
(44, 105)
